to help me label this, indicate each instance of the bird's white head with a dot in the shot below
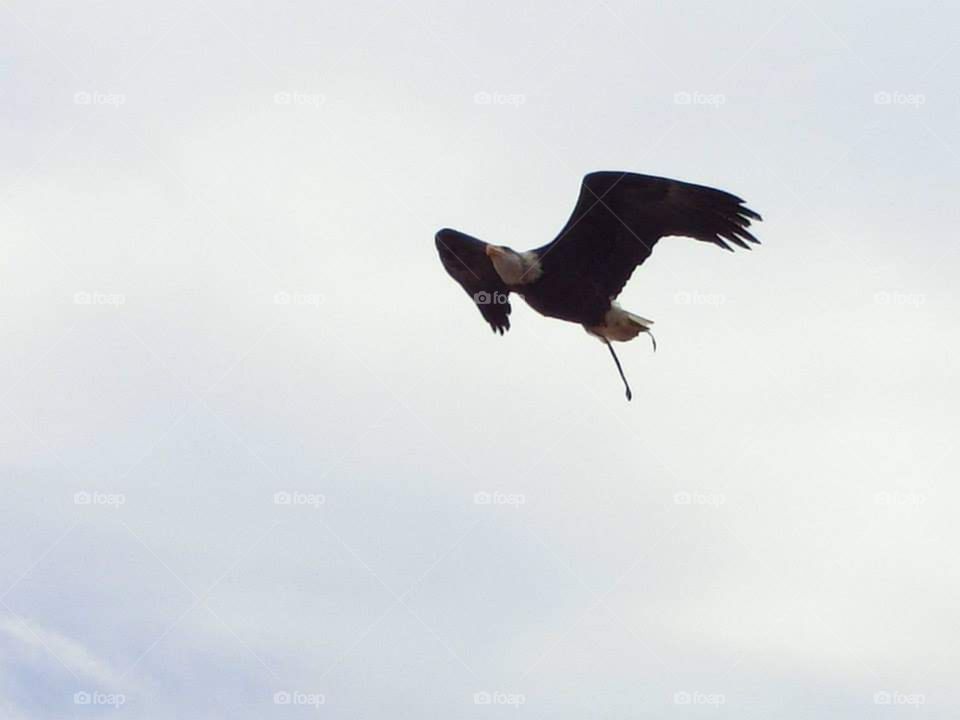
(513, 268)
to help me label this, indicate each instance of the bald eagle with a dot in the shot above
(618, 219)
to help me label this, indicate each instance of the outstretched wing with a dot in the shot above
(465, 259)
(620, 216)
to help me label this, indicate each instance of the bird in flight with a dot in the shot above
(618, 219)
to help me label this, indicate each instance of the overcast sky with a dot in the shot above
(262, 458)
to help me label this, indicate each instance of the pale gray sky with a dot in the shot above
(216, 225)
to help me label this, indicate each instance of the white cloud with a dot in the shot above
(58, 651)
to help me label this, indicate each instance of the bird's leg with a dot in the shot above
(619, 369)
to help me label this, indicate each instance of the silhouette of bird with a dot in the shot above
(618, 219)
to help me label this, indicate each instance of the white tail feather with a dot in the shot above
(620, 325)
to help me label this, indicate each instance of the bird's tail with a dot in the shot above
(620, 325)
(641, 322)
(643, 326)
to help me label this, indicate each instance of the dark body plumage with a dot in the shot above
(618, 219)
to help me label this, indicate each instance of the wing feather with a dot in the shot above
(620, 216)
(465, 260)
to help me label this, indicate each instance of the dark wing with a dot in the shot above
(620, 216)
(465, 259)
